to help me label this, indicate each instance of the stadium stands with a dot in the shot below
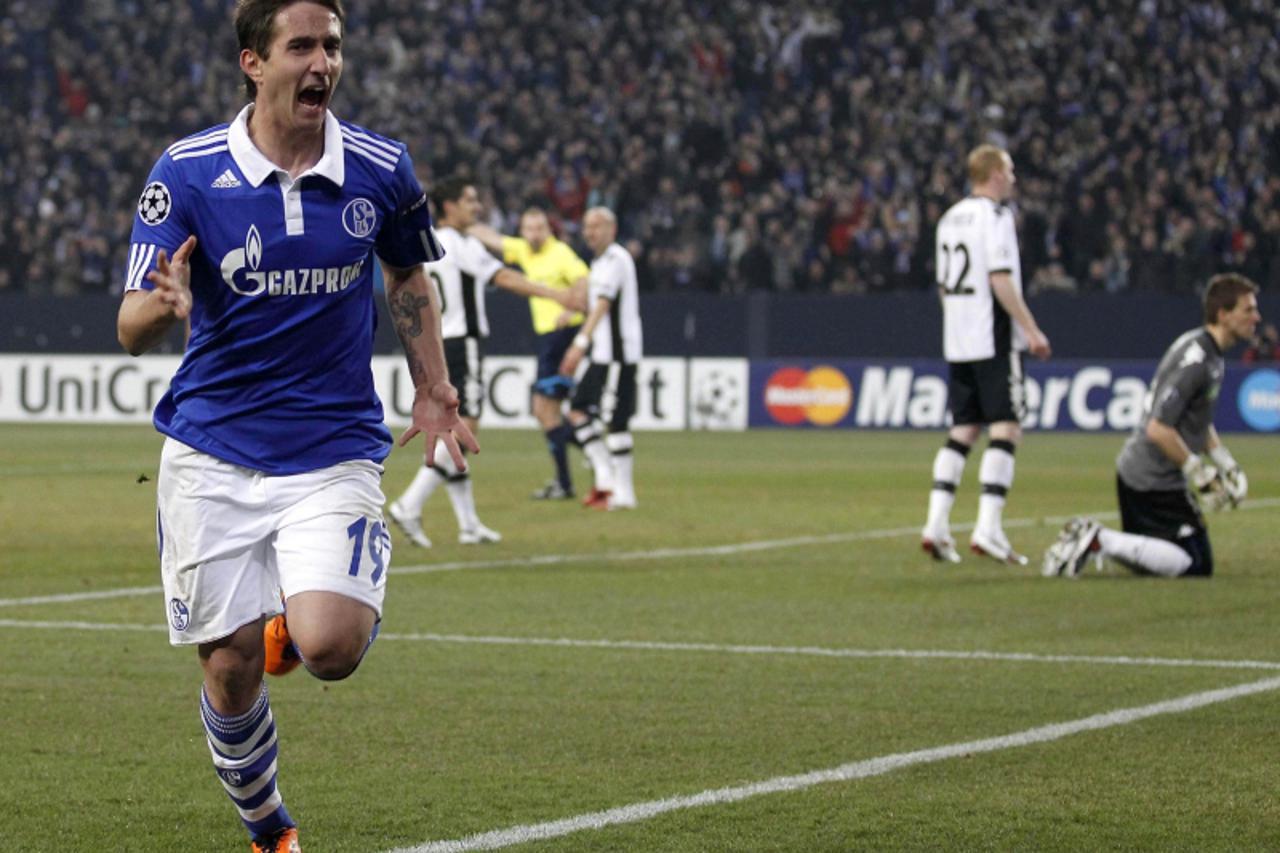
(746, 146)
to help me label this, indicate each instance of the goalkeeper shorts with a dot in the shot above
(1170, 515)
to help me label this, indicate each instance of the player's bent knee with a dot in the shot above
(1201, 556)
(333, 659)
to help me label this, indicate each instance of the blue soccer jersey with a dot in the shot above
(277, 374)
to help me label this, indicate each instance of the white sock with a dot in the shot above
(458, 487)
(996, 476)
(420, 490)
(590, 437)
(948, 468)
(1157, 556)
(622, 447)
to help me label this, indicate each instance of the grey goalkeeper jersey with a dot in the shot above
(1182, 396)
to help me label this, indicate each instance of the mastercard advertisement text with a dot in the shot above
(912, 394)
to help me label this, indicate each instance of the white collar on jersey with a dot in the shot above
(255, 166)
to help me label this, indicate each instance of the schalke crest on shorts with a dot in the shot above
(179, 614)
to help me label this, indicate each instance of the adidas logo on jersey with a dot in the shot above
(225, 181)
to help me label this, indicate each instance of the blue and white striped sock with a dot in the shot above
(244, 756)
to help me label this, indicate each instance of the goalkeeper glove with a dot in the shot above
(1233, 478)
(1206, 483)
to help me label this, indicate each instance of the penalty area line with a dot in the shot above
(637, 812)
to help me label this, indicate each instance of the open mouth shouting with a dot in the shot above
(313, 98)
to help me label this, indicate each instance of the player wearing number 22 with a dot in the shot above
(1160, 473)
(262, 233)
(986, 328)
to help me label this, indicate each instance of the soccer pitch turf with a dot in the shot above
(758, 658)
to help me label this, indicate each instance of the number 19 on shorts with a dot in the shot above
(369, 553)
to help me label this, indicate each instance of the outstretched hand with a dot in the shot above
(435, 415)
(173, 278)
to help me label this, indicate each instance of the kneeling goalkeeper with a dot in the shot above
(1162, 478)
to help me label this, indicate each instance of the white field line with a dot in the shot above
(844, 773)
(623, 556)
(716, 550)
(80, 626)
(126, 592)
(827, 652)
(718, 648)
(749, 547)
(73, 468)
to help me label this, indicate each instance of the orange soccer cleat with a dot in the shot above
(284, 841)
(282, 657)
(598, 499)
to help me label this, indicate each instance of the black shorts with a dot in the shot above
(988, 391)
(551, 349)
(1169, 515)
(464, 360)
(609, 387)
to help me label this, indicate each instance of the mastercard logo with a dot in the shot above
(821, 396)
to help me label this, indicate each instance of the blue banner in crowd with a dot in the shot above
(912, 394)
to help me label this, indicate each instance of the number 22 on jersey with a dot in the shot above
(954, 260)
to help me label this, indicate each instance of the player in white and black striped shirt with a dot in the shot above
(460, 279)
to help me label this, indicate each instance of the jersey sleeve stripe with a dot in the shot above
(431, 245)
(198, 141)
(200, 152)
(140, 256)
(369, 154)
(371, 142)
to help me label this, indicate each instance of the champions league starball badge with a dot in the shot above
(155, 203)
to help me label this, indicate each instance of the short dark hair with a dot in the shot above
(1224, 290)
(449, 189)
(256, 26)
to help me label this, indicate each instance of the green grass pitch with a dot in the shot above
(440, 736)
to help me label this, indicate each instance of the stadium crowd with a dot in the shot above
(788, 145)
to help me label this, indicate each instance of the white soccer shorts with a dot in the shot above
(232, 539)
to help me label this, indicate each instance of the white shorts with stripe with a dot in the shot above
(232, 540)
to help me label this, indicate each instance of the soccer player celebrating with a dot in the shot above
(1160, 469)
(986, 326)
(612, 333)
(553, 263)
(261, 232)
(460, 278)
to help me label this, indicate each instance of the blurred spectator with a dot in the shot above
(815, 139)
(1052, 277)
(1264, 347)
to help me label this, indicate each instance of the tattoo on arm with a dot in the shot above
(406, 314)
(406, 310)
